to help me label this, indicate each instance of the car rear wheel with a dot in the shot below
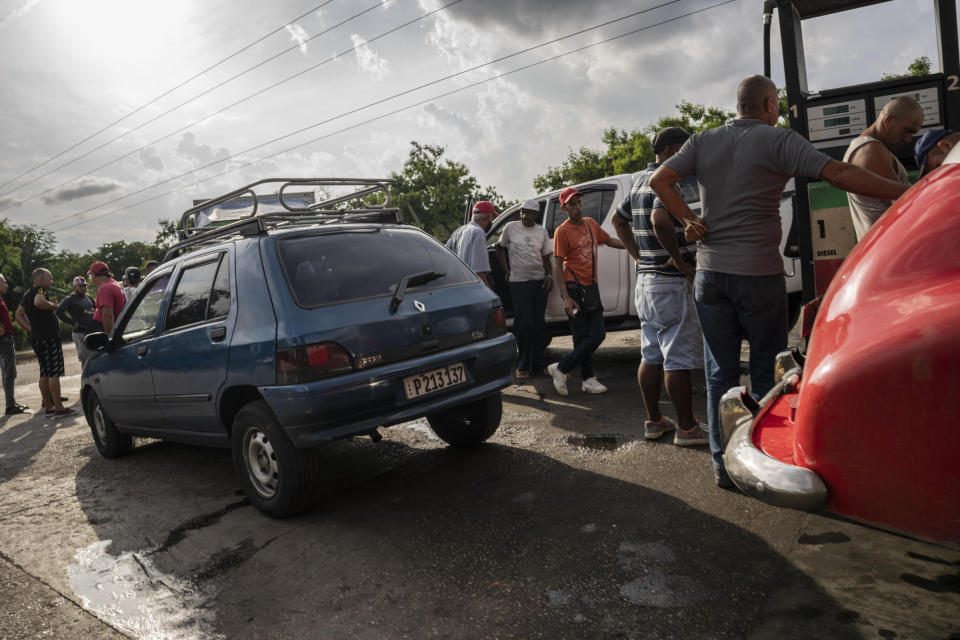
(470, 425)
(278, 478)
(109, 441)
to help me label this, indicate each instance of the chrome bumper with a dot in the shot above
(754, 472)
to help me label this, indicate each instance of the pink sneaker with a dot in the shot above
(653, 430)
(691, 437)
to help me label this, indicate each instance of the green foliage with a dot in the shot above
(24, 248)
(692, 117)
(121, 254)
(580, 166)
(919, 67)
(627, 152)
(167, 236)
(432, 191)
(37, 248)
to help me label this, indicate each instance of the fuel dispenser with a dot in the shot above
(823, 233)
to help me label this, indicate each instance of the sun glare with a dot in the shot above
(131, 31)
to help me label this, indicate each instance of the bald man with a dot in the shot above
(899, 120)
(739, 288)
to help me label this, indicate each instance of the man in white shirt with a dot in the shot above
(524, 251)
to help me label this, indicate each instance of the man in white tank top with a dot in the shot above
(898, 122)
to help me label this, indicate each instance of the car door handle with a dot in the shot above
(218, 333)
(143, 350)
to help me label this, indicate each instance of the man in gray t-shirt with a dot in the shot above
(740, 292)
(469, 242)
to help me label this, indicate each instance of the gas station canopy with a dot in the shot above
(813, 8)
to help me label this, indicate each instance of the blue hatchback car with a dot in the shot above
(280, 331)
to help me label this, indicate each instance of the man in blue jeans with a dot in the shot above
(740, 291)
(8, 354)
(575, 248)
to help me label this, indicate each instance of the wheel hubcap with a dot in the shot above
(261, 462)
(99, 423)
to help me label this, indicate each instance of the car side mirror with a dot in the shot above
(96, 341)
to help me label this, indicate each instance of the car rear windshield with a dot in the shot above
(352, 265)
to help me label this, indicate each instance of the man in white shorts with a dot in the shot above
(670, 339)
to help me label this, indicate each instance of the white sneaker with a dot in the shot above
(559, 378)
(592, 385)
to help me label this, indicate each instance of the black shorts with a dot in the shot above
(49, 356)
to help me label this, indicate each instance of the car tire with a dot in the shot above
(470, 425)
(108, 440)
(278, 478)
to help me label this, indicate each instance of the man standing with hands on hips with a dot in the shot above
(530, 275)
(575, 244)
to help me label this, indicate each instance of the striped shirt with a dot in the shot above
(637, 208)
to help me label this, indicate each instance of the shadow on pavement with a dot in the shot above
(22, 437)
(490, 542)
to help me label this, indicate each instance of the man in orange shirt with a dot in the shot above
(575, 245)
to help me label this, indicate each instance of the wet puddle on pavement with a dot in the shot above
(130, 594)
(598, 441)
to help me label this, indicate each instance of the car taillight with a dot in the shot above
(496, 323)
(312, 362)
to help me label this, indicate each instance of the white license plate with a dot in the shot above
(431, 381)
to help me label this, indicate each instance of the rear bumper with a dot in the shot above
(758, 474)
(363, 400)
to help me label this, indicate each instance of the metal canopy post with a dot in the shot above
(795, 68)
(949, 51)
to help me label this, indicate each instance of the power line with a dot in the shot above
(162, 95)
(226, 108)
(372, 104)
(188, 101)
(379, 117)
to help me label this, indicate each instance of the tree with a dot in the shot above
(627, 152)
(167, 236)
(9, 249)
(121, 254)
(433, 191)
(692, 117)
(919, 67)
(37, 249)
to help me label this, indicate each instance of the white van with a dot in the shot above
(616, 271)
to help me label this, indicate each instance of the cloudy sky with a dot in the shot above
(341, 107)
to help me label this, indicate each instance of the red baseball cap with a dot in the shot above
(485, 207)
(568, 193)
(99, 268)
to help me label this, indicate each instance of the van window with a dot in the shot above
(496, 232)
(596, 204)
(338, 267)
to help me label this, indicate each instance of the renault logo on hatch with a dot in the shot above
(419, 305)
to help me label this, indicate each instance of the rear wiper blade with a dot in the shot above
(412, 280)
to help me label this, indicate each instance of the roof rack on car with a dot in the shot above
(193, 233)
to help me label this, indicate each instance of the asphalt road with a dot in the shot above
(565, 525)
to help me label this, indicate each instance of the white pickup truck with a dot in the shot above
(615, 269)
